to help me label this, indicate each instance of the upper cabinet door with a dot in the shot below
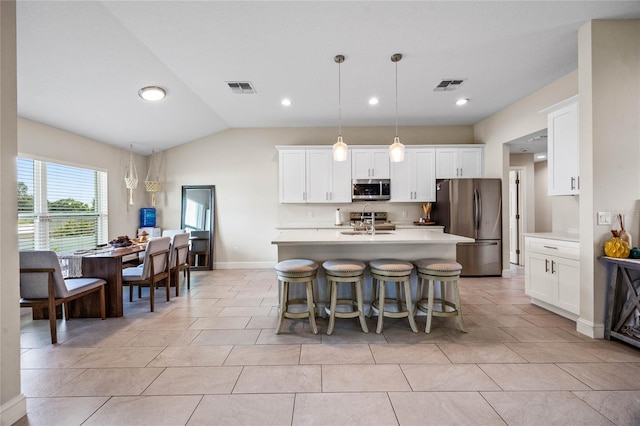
(370, 163)
(470, 162)
(458, 162)
(425, 172)
(318, 175)
(414, 178)
(562, 147)
(291, 178)
(341, 180)
(446, 163)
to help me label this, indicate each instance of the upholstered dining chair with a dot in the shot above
(154, 269)
(179, 259)
(199, 248)
(172, 232)
(42, 286)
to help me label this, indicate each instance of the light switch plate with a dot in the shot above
(604, 218)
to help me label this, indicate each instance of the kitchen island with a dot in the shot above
(324, 244)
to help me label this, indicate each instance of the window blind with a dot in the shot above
(60, 207)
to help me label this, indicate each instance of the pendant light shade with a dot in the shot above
(396, 150)
(340, 149)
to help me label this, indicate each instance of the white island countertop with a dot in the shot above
(333, 237)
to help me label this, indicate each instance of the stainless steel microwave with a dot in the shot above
(370, 189)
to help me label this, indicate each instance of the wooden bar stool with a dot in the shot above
(345, 271)
(296, 271)
(397, 271)
(446, 273)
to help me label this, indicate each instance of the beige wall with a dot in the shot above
(544, 213)
(243, 165)
(513, 122)
(12, 402)
(43, 142)
(609, 116)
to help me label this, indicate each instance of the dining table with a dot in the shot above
(106, 264)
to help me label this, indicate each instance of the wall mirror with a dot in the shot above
(198, 218)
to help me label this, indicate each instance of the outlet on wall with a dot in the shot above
(235, 249)
(310, 213)
(404, 213)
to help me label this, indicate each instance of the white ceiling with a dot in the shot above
(81, 63)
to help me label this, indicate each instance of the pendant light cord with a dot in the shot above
(396, 98)
(339, 100)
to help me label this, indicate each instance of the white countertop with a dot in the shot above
(415, 235)
(312, 225)
(562, 236)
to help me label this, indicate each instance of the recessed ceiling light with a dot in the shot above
(286, 102)
(374, 101)
(152, 93)
(462, 101)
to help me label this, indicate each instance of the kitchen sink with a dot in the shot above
(364, 232)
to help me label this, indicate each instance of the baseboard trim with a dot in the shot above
(13, 410)
(591, 329)
(244, 265)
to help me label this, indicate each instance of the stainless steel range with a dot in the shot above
(361, 220)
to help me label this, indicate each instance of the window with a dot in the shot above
(61, 208)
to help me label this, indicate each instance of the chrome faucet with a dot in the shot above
(373, 219)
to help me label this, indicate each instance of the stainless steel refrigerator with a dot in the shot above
(473, 208)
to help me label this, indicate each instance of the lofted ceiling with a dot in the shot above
(81, 63)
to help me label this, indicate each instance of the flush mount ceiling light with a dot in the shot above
(286, 102)
(152, 93)
(373, 101)
(462, 101)
(396, 150)
(340, 149)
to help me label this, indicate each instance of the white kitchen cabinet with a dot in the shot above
(370, 163)
(458, 162)
(562, 148)
(311, 176)
(327, 181)
(291, 176)
(414, 179)
(552, 275)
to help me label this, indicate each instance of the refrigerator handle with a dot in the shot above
(476, 210)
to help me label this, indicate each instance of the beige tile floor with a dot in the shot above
(210, 357)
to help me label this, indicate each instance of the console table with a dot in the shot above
(623, 300)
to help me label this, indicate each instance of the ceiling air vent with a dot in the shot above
(241, 87)
(449, 84)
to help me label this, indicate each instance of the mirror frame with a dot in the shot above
(212, 192)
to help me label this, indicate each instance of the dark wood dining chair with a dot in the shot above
(154, 270)
(43, 286)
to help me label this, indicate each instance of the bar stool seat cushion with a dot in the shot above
(344, 268)
(391, 267)
(298, 268)
(438, 266)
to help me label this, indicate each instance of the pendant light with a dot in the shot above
(396, 150)
(340, 149)
(152, 181)
(131, 175)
